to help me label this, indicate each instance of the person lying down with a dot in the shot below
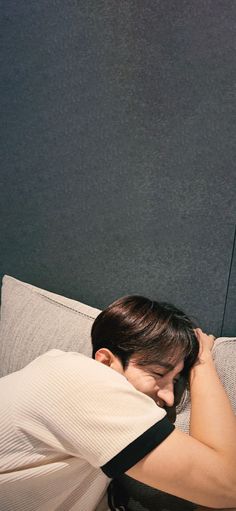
(69, 423)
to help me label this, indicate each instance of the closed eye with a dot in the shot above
(160, 375)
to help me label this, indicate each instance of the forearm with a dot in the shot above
(200, 508)
(212, 420)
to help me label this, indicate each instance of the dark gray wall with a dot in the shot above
(118, 141)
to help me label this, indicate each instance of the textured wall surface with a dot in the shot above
(118, 150)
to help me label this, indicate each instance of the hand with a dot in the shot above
(206, 343)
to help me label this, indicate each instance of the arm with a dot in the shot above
(210, 402)
(201, 467)
(200, 508)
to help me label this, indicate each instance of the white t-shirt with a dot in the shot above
(67, 424)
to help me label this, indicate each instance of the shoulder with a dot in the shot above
(55, 361)
(79, 382)
(75, 376)
(73, 367)
(92, 407)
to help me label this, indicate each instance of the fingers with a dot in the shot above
(200, 334)
(205, 340)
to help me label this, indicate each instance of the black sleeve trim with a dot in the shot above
(141, 446)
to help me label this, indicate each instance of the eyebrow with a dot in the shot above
(166, 365)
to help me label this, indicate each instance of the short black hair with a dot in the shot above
(148, 330)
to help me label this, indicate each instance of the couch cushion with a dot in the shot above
(34, 320)
(224, 355)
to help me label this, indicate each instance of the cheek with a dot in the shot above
(142, 381)
(147, 386)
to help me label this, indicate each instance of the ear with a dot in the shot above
(105, 356)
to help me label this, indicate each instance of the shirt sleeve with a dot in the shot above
(137, 449)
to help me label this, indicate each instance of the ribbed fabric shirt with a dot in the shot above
(67, 425)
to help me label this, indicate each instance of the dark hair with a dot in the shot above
(153, 332)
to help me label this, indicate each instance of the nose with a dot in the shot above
(167, 395)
